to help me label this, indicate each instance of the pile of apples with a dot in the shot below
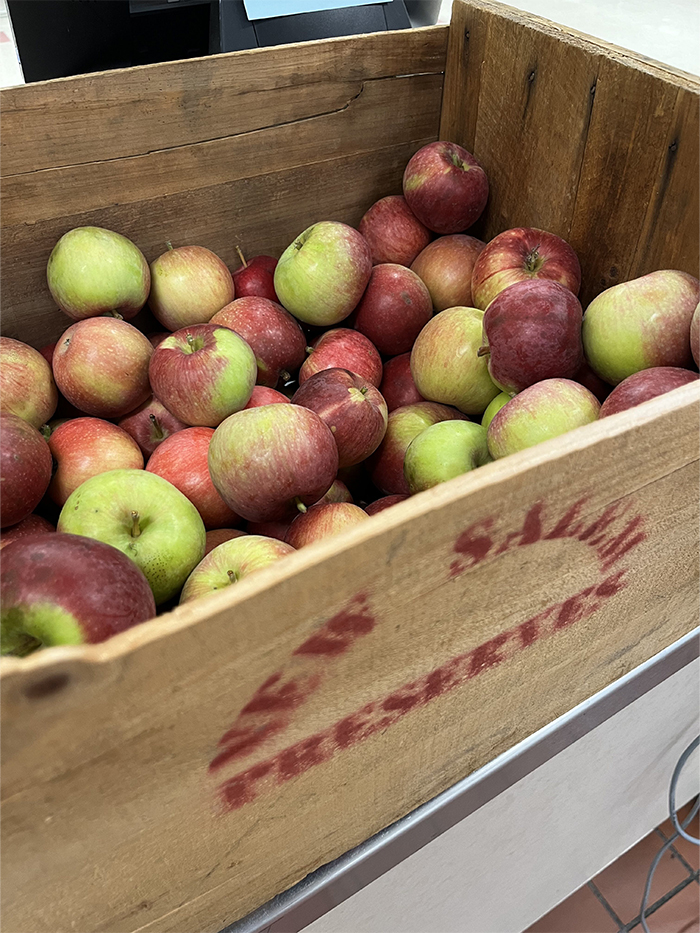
(299, 396)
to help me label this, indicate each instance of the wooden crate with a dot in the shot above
(178, 776)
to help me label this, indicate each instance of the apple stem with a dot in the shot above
(531, 260)
(114, 314)
(190, 340)
(45, 431)
(232, 576)
(309, 349)
(285, 376)
(483, 351)
(158, 430)
(135, 529)
(168, 244)
(300, 505)
(364, 390)
(241, 257)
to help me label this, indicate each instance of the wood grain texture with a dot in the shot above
(578, 137)
(161, 696)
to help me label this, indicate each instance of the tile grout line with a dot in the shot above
(598, 894)
(661, 901)
(675, 851)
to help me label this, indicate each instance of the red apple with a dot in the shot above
(343, 348)
(397, 385)
(446, 265)
(586, 377)
(101, 366)
(404, 424)
(27, 387)
(271, 332)
(394, 309)
(217, 536)
(25, 468)
(323, 521)
(188, 286)
(352, 408)
(256, 277)
(519, 255)
(31, 525)
(269, 462)
(264, 396)
(158, 337)
(269, 529)
(645, 385)
(47, 353)
(150, 424)
(338, 492)
(384, 503)
(532, 331)
(203, 374)
(230, 562)
(182, 460)
(84, 447)
(50, 596)
(393, 231)
(445, 187)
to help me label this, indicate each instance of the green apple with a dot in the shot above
(641, 324)
(538, 413)
(493, 407)
(92, 270)
(445, 364)
(230, 562)
(144, 516)
(443, 451)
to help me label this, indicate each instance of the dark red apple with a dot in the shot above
(264, 396)
(271, 332)
(532, 332)
(62, 589)
(586, 377)
(520, 255)
(269, 462)
(150, 424)
(343, 348)
(182, 460)
(445, 187)
(386, 465)
(256, 277)
(31, 525)
(384, 503)
(446, 265)
(84, 447)
(394, 309)
(217, 536)
(352, 408)
(397, 385)
(158, 337)
(323, 521)
(645, 385)
(25, 468)
(393, 231)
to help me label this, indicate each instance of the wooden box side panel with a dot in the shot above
(242, 149)
(590, 142)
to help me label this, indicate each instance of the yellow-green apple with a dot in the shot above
(385, 502)
(25, 468)
(323, 521)
(217, 536)
(352, 408)
(203, 374)
(230, 562)
(269, 462)
(645, 385)
(445, 363)
(641, 324)
(539, 413)
(84, 447)
(93, 271)
(144, 516)
(493, 407)
(150, 424)
(188, 286)
(101, 366)
(695, 335)
(27, 386)
(271, 332)
(386, 464)
(62, 589)
(446, 265)
(520, 255)
(393, 232)
(443, 451)
(394, 309)
(532, 331)
(321, 276)
(445, 187)
(397, 385)
(31, 525)
(343, 348)
(183, 460)
(262, 395)
(338, 492)
(256, 277)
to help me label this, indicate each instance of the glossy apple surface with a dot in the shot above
(445, 187)
(92, 271)
(150, 424)
(262, 395)
(188, 286)
(232, 561)
(343, 348)
(446, 266)
(25, 468)
(397, 385)
(493, 407)
(324, 521)
(444, 451)
(256, 277)
(645, 385)
(393, 232)
(386, 502)
(394, 309)
(27, 386)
